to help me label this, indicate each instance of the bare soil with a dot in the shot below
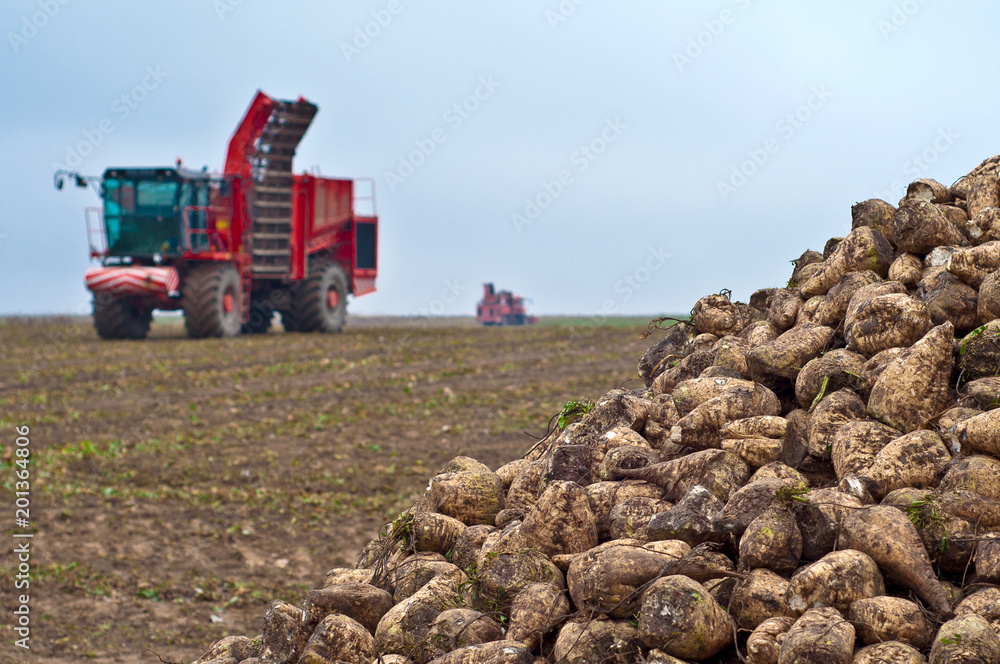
(178, 486)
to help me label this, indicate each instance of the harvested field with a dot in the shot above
(179, 486)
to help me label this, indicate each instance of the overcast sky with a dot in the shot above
(596, 157)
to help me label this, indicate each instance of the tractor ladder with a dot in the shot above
(270, 159)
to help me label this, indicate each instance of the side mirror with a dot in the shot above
(81, 182)
(59, 183)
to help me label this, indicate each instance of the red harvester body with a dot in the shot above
(232, 249)
(502, 308)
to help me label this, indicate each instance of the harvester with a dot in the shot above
(232, 249)
(502, 308)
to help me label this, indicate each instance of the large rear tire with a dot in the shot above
(319, 302)
(288, 321)
(260, 316)
(212, 301)
(117, 318)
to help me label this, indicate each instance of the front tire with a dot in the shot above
(117, 318)
(319, 303)
(212, 301)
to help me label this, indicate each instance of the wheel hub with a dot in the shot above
(228, 303)
(332, 299)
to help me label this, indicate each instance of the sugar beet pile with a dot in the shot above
(809, 477)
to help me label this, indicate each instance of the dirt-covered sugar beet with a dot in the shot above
(810, 477)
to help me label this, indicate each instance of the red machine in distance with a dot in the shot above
(502, 308)
(231, 249)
